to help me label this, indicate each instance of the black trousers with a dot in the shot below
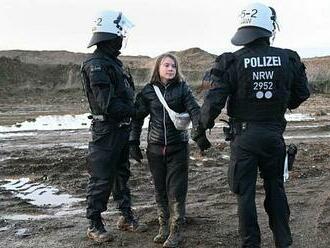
(260, 146)
(108, 166)
(169, 169)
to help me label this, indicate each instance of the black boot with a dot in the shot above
(129, 222)
(97, 232)
(164, 215)
(178, 216)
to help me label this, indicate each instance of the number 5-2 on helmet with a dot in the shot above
(109, 25)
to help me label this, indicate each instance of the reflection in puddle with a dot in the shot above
(38, 194)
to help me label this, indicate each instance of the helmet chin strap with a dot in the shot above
(125, 40)
(272, 38)
(275, 25)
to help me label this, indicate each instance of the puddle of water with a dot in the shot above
(308, 136)
(16, 134)
(295, 127)
(69, 122)
(220, 124)
(225, 157)
(50, 122)
(205, 159)
(298, 117)
(289, 117)
(4, 158)
(66, 212)
(77, 145)
(5, 228)
(23, 232)
(208, 159)
(64, 122)
(38, 194)
(27, 217)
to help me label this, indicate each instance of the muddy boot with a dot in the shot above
(129, 222)
(163, 230)
(178, 216)
(175, 237)
(164, 215)
(97, 232)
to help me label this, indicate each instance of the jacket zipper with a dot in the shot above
(164, 123)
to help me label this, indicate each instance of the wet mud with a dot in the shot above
(43, 179)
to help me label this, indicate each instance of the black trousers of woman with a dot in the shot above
(169, 169)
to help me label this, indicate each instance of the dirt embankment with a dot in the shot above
(57, 70)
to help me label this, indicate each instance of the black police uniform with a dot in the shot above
(168, 149)
(260, 83)
(110, 92)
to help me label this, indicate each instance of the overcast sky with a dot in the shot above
(160, 25)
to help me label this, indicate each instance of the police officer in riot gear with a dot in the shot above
(258, 82)
(110, 92)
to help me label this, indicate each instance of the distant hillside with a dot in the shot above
(318, 73)
(58, 70)
(191, 59)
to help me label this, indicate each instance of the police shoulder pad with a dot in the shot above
(293, 55)
(222, 63)
(225, 60)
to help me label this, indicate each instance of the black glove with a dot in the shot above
(292, 151)
(135, 152)
(203, 143)
(199, 136)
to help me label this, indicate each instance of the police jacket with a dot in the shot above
(259, 81)
(161, 130)
(109, 89)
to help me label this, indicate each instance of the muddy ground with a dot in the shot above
(57, 159)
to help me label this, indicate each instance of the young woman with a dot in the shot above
(168, 149)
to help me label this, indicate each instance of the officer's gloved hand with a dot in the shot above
(203, 143)
(135, 151)
(199, 136)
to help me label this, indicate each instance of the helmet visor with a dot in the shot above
(246, 35)
(101, 36)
